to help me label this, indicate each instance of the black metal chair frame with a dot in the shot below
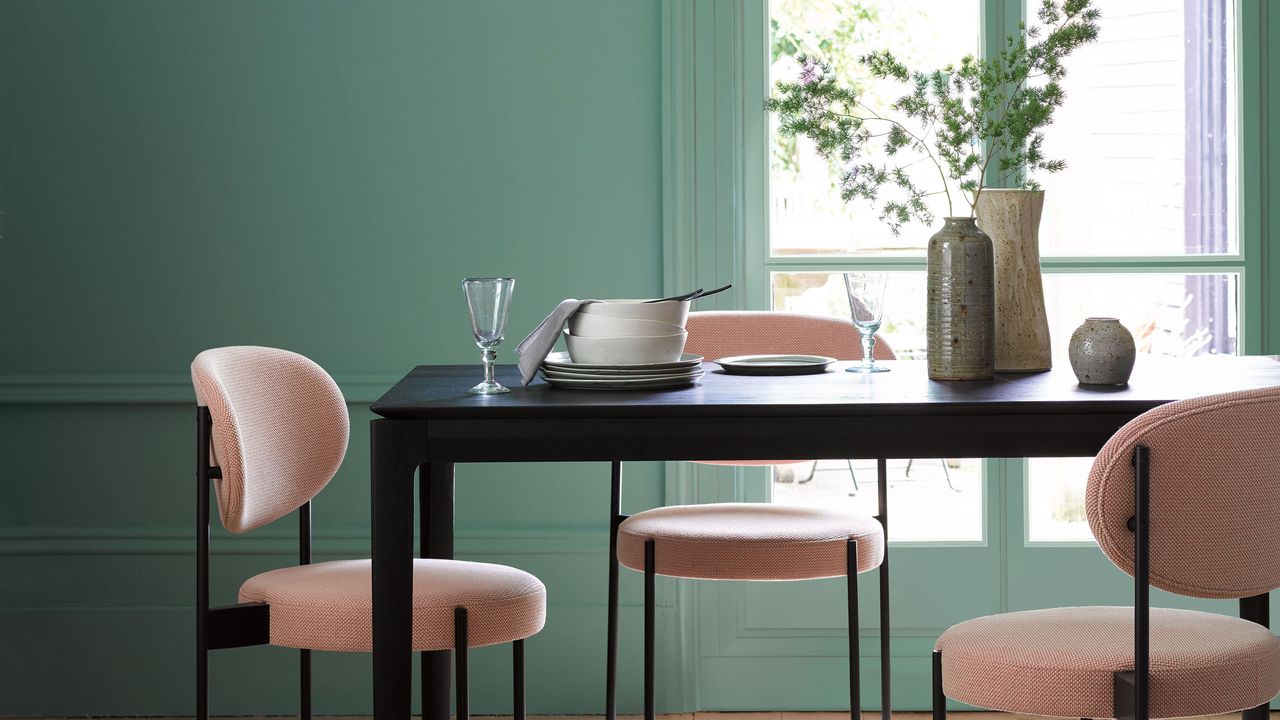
(1132, 688)
(247, 624)
(650, 711)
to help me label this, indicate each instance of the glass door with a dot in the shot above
(946, 514)
(1142, 225)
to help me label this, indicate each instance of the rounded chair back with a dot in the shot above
(279, 433)
(1214, 494)
(718, 333)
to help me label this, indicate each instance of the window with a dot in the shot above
(810, 223)
(1141, 225)
(1149, 128)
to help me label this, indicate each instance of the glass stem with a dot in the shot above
(868, 350)
(490, 355)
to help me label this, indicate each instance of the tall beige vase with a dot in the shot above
(1012, 219)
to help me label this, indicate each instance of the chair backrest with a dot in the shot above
(717, 334)
(1214, 494)
(279, 433)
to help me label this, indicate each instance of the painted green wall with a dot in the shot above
(317, 176)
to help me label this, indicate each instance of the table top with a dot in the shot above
(438, 392)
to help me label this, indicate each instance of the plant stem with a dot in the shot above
(922, 145)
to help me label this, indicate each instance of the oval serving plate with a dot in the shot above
(775, 364)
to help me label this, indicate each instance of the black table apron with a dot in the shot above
(429, 423)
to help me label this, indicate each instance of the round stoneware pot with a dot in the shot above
(1102, 352)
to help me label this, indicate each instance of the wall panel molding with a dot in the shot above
(334, 540)
(127, 389)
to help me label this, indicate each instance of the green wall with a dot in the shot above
(317, 176)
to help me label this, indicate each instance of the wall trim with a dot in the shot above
(330, 540)
(138, 389)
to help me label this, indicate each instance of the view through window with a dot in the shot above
(943, 498)
(1149, 131)
(1139, 226)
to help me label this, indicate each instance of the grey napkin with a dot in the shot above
(535, 348)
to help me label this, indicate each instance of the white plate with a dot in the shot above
(677, 374)
(623, 384)
(561, 361)
(620, 374)
(775, 364)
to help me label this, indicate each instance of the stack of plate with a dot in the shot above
(560, 371)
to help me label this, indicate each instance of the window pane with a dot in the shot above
(943, 498)
(1055, 499)
(820, 293)
(807, 215)
(1168, 315)
(1148, 133)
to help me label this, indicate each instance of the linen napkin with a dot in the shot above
(535, 348)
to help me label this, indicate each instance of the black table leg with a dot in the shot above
(391, 479)
(882, 492)
(611, 631)
(435, 518)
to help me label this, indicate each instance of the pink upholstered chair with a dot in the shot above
(1185, 497)
(272, 431)
(747, 541)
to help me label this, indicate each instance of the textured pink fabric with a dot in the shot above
(1215, 494)
(718, 334)
(1060, 662)
(329, 605)
(280, 430)
(749, 541)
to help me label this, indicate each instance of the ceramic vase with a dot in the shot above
(961, 303)
(1102, 352)
(1011, 218)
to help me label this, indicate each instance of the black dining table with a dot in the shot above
(429, 423)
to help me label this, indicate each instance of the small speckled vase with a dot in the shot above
(1102, 352)
(961, 303)
(1012, 219)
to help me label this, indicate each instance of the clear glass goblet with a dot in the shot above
(866, 304)
(488, 299)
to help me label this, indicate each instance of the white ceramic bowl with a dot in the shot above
(596, 325)
(625, 350)
(670, 312)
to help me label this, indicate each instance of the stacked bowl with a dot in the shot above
(628, 332)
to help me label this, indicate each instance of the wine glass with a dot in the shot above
(866, 304)
(488, 299)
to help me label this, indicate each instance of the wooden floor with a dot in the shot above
(1275, 715)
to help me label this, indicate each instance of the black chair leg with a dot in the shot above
(202, 683)
(650, 712)
(939, 697)
(611, 635)
(855, 663)
(517, 680)
(304, 676)
(460, 657)
(946, 473)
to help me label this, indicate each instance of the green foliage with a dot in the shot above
(961, 118)
(831, 29)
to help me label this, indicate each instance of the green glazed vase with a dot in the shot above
(961, 319)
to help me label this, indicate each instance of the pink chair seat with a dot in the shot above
(1060, 662)
(749, 541)
(329, 605)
